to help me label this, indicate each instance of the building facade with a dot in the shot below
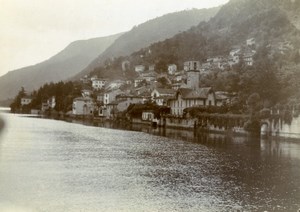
(186, 97)
(191, 65)
(83, 106)
(26, 100)
(172, 68)
(98, 84)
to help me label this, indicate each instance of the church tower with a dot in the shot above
(193, 79)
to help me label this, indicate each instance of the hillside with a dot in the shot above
(62, 66)
(235, 22)
(152, 31)
(271, 23)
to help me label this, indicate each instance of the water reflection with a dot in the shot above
(49, 165)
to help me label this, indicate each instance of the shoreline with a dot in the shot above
(127, 125)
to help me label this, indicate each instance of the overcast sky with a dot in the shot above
(34, 30)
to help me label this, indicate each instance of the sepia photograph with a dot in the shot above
(150, 106)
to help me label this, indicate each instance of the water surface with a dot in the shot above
(50, 165)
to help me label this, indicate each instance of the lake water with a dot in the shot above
(50, 165)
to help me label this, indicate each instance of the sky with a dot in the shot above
(32, 31)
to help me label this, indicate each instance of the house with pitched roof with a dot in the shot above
(161, 95)
(187, 97)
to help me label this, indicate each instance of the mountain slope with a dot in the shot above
(150, 32)
(62, 66)
(267, 21)
(277, 46)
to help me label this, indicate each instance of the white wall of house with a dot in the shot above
(110, 96)
(172, 68)
(98, 84)
(147, 116)
(139, 68)
(179, 104)
(159, 101)
(250, 42)
(211, 100)
(25, 101)
(158, 96)
(51, 102)
(248, 61)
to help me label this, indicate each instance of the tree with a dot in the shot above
(164, 82)
(253, 103)
(16, 104)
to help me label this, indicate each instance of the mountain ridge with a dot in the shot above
(72, 59)
(142, 35)
(268, 22)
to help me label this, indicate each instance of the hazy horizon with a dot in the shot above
(32, 33)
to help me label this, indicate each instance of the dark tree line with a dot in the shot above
(64, 93)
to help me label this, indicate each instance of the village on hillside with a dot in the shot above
(175, 94)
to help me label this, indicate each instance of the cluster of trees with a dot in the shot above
(268, 78)
(64, 93)
(16, 104)
(269, 25)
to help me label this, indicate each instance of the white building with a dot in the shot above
(26, 100)
(160, 95)
(139, 68)
(250, 41)
(172, 68)
(98, 84)
(113, 85)
(186, 97)
(110, 96)
(51, 102)
(248, 57)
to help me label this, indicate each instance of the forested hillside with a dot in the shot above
(152, 31)
(275, 71)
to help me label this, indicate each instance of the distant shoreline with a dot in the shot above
(128, 126)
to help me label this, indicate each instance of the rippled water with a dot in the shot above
(49, 165)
